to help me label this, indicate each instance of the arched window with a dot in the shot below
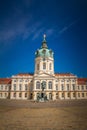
(37, 66)
(37, 85)
(50, 66)
(50, 85)
(44, 66)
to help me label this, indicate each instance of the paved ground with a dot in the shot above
(57, 115)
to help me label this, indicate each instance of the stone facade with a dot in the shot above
(57, 85)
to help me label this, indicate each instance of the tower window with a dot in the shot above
(37, 66)
(50, 66)
(44, 66)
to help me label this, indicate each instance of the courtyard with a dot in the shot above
(53, 115)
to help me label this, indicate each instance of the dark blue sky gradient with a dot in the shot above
(22, 25)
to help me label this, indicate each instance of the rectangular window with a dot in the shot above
(56, 86)
(14, 87)
(1, 87)
(86, 87)
(62, 87)
(68, 94)
(26, 87)
(20, 94)
(14, 94)
(0, 94)
(78, 94)
(82, 87)
(20, 87)
(5, 94)
(73, 94)
(73, 86)
(62, 94)
(5, 87)
(82, 94)
(67, 87)
(78, 88)
(25, 95)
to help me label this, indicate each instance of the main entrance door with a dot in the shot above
(42, 95)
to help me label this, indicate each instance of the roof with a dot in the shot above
(82, 81)
(5, 80)
(64, 74)
(25, 74)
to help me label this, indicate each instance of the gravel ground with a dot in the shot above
(53, 115)
(32, 104)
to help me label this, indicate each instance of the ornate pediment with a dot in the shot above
(43, 74)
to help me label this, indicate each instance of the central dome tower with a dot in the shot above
(44, 61)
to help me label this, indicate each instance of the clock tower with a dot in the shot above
(44, 61)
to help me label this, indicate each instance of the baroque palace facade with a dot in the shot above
(44, 83)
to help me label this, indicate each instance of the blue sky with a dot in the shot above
(22, 25)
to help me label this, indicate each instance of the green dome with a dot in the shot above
(44, 51)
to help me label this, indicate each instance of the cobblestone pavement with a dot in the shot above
(33, 104)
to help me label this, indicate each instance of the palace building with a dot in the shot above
(44, 83)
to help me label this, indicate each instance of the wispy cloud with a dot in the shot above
(42, 31)
(50, 31)
(65, 28)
